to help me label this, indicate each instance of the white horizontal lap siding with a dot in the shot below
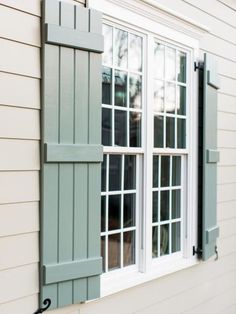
(20, 155)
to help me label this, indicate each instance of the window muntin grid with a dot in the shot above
(119, 211)
(122, 84)
(166, 205)
(170, 88)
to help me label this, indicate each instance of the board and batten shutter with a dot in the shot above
(72, 44)
(209, 158)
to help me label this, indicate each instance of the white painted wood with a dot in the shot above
(226, 210)
(215, 9)
(227, 157)
(18, 282)
(226, 103)
(226, 139)
(20, 123)
(19, 250)
(227, 245)
(228, 228)
(19, 26)
(19, 58)
(26, 305)
(226, 192)
(20, 186)
(19, 218)
(32, 6)
(226, 174)
(27, 153)
(230, 3)
(226, 121)
(26, 91)
(227, 85)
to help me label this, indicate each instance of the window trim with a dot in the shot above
(149, 270)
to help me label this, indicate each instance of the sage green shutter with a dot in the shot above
(72, 44)
(210, 230)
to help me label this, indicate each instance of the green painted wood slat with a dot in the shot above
(210, 230)
(71, 159)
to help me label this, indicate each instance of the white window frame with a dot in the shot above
(172, 32)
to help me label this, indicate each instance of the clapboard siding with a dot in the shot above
(19, 58)
(14, 25)
(226, 174)
(26, 91)
(231, 140)
(18, 282)
(19, 186)
(32, 6)
(11, 222)
(24, 305)
(19, 123)
(26, 253)
(226, 210)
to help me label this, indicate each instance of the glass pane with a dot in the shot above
(107, 54)
(135, 91)
(164, 241)
(114, 251)
(170, 132)
(135, 53)
(103, 254)
(165, 212)
(158, 96)
(170, 98)
(155, 207)
(165, 170)
(130, 172)
(129, 248)
(114, 212)
(176, 204)
(158, 61)
(155, 242)
(175, 237)
(176, 170)
(104, 174)
(120, 128)
(121, 48)
(106, 127)
(103, 213)
(181, 100)
(181, 133)
(170, 64)
(135, 119)
(120, 89)
(129, 210)
(181, 66)
(115, 173)
(158, 131)
(106, 85)
(155, 171)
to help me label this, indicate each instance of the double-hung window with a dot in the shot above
(146, 131)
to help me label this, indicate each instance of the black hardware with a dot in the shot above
(198, 66)
(47, 303)
(217, 255)
(197, 251)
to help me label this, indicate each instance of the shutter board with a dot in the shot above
(71, 159)
(210, 230)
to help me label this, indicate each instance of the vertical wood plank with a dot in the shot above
(49, 197)
(81, 170)
(66, 135)
(94, 175)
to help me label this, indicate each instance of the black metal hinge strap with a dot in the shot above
(47, 303)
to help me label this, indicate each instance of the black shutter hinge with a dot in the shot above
(197, 251)
(198, 66)
(47, 303)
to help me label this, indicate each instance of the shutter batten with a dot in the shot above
(71, 154)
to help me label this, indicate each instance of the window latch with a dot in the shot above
(47, 303)
(197, 251)
(198, 66)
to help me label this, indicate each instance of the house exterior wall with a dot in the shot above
(208, 287)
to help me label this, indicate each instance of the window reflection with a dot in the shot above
(135, 91)
(121, 48)
(170, 98)
(135, 53)
(181, 66)
(135, 129)
(159, 61)
(170, 64)
(107, 54)
(120, 88)
(106, 85)
(158, 96)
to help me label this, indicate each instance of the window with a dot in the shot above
(145, 132)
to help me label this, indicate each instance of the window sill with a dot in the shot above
(114, 282)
